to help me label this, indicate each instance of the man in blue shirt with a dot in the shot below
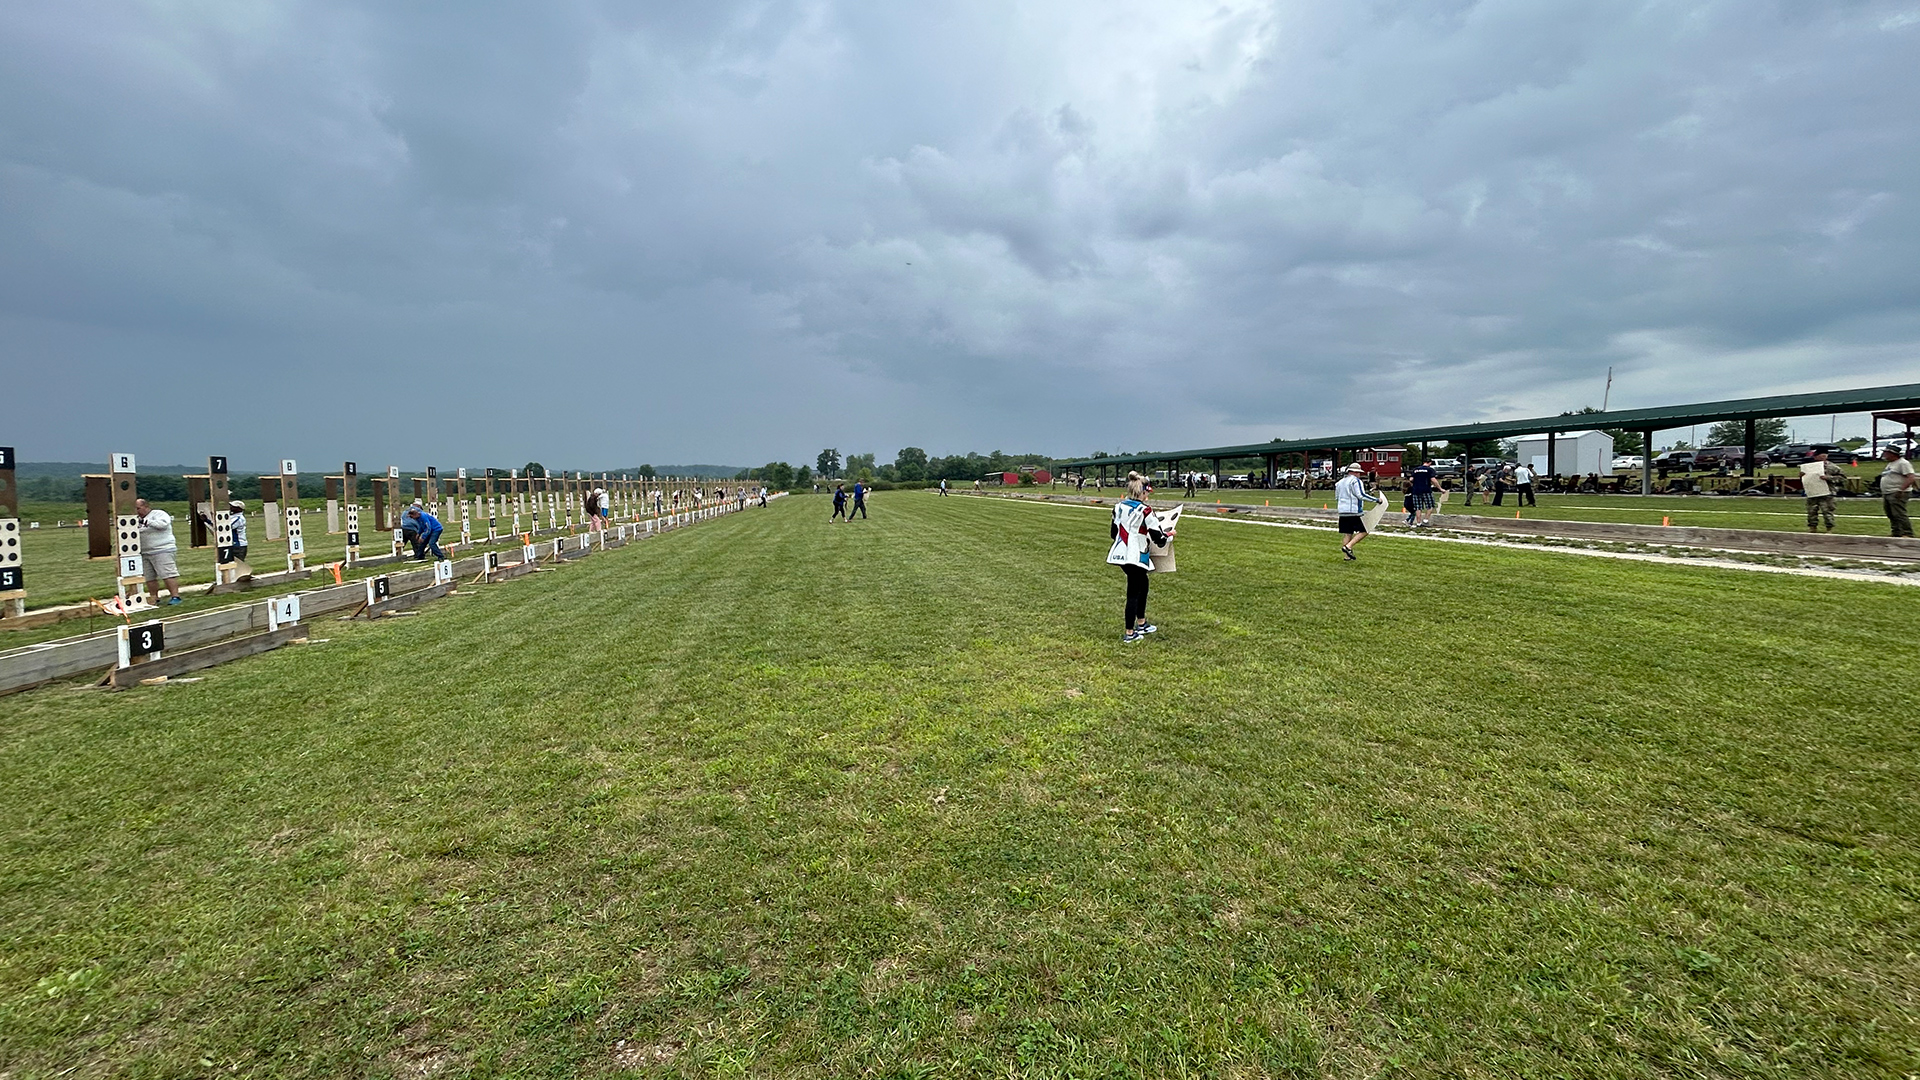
(1420, 495)
(859, 500)
(426, 529)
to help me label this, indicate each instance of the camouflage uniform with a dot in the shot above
(1821, 506)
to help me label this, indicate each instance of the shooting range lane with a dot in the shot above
(130, 648)
(1862, 577)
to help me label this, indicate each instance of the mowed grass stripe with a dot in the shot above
(774, 795)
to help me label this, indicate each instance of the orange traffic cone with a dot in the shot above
(1665, 520)
(1516, 515)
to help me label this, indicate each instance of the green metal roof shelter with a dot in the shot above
(1877, 399)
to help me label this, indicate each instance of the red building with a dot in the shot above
(1381, 460)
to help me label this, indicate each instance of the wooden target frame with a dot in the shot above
(290, 508)
(13, 572)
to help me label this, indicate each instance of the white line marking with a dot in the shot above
(1551, 549)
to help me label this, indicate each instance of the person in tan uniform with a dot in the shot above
(1818, 478)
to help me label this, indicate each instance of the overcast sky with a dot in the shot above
(600, 234)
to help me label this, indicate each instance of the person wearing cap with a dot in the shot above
(596, 505)
(237, 522)
(1896, 484)
(422, 530)
(1350, 500)
(1817, 479)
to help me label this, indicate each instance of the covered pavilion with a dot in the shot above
(1886, 402)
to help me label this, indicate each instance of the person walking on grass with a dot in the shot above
(839, 503)
(1132, 519)
(1420, 497)
(1350, 500)
(859, 500)
(1817, 479)
(1896, 484)
(157, 548)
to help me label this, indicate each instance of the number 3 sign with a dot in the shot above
(142, 642)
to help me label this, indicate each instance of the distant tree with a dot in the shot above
(802, 476)
(860, 463)
(534, 468)
(1854, 443)
(910, 463)
(828, 463)
(777, 475)
(646, 471)
(1766, 433)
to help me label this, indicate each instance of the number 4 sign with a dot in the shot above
(282, 611)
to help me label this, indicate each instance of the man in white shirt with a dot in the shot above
(157, 547)
(1523, 487)
(1350, 499)
(1896, 482)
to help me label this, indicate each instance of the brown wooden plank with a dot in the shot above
(179, 663)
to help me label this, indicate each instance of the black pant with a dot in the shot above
(1136, 594)
(860, 505)
(1499, 492)
(1525, 495)
(839, 510)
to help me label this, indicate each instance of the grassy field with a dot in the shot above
(775, 796)
(1859, 516)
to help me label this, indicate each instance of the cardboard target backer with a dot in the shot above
(1166, 521)
(443, 570)
(1370, 516)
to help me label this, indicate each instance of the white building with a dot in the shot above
(1575, 453)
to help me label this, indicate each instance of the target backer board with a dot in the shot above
(290, 501)
(1166, 521)
(13, 574)
(1371, 513)
(126, 533)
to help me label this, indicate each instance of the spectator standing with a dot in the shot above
(943, 487)
(158, 548)
(1350, 500)
(1129, 553)
(1896, 484)
(1817, 478)
(1420, 497)
(859, 500)
(1523, 487)
(839, 503)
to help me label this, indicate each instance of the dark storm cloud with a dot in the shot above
(604, 233)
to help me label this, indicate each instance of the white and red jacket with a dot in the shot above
(1130, 534)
